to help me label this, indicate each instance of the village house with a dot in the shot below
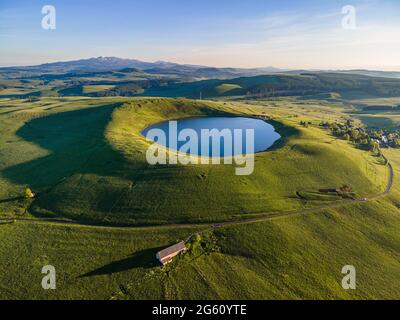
(165, 256)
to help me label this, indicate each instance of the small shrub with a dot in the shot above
(29, 194)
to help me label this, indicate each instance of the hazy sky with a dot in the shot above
(252, 33)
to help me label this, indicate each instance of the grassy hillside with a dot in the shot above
(85, 157)
(99, 173)
(307, 84)
(227, 88)
(189, 82)
(292, 258)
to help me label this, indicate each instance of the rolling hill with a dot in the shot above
(111, 182)
(84, 157)
(282, 85)
(126, 77)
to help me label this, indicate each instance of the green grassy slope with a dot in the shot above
(227, 89)
(350, 86)
(87, 153)
(292, 258)
(24, 162)
(75, 253)
(96, 157)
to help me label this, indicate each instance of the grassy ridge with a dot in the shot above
(89, 159)
(346, 86)
(110, 181)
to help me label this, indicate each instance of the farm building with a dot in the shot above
(165, 256)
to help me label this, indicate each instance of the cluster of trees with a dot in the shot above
(315, 83)
(125, 90)
(381, 108)
(392, 137)
(203, 244)
(305, 124)
(350, 133)
(133, 88)
(396, 143)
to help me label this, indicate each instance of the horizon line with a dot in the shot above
(281, 69)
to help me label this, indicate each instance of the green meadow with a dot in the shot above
(85, 160)
(90, 165)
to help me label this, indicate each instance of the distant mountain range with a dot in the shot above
(110, 76)
(162, 68)
(88, 65)
(106, 64)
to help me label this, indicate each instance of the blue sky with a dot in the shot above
(252, 33)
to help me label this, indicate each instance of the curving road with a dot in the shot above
(211, 226)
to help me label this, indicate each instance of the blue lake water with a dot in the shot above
(264, 134)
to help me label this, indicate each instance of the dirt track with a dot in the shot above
(210, 226)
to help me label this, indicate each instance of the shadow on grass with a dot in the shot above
(11, 199)
(66, 176)
(286, 132)
(73, 139)
(2, 223)
(75, 144)
(142, 259)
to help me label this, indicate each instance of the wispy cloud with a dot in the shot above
(293, 40)
(304, 37)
